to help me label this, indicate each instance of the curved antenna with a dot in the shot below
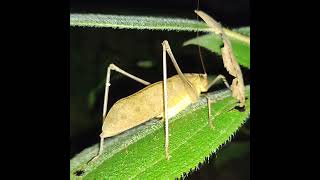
(199, 49)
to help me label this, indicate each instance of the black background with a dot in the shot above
(92, 49)
(35, 89)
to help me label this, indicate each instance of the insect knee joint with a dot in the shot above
(165, 44)
(112, 66)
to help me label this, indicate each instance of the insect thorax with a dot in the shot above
(199, 81)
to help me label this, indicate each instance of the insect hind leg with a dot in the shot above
(100, 151)
(106, 94)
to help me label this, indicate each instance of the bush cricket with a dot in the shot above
(165, 99)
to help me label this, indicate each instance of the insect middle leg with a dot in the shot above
(106, 94)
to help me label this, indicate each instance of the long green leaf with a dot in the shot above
(243, 30)
(143, 23)
(213, 42)
(139, 153)
(137, 22)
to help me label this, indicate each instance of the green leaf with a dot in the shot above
(137, 22)
(139, 152)
(243, 30)
(239, 42)
(213, 42)
(142, 23)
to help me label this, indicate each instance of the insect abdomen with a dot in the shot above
(144, 105)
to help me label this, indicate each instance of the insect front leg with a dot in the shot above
(219, 77)
(106, 94)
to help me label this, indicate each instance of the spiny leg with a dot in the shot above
(106, 94)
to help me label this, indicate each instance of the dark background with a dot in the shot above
(93, 49)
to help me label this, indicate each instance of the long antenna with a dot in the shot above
(199, 49)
